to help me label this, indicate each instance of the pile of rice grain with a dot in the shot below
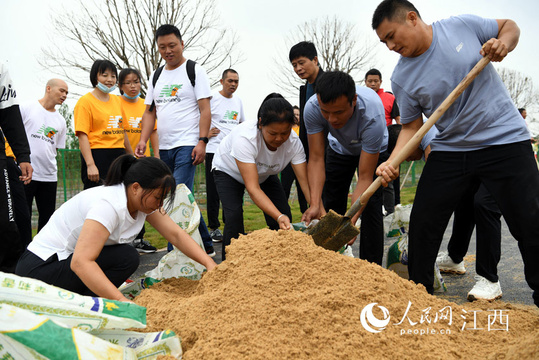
(280, 296)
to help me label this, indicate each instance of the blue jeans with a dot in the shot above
(181, 164)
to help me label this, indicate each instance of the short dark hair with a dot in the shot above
(275, 109)
(123, 75)
(391, 10)
(99, 67)
(521, 110)
(303, 48)
(373, 72)
(166, 30)
(227, 71)
(151, 173)
(295, 107)
(331, 85)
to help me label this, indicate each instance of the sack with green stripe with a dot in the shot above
(25, 335)
(71, 309)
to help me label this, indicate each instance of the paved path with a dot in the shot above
(510, 270)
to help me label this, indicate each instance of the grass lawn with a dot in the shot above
(253, 218)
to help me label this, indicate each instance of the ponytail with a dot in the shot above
(118, 169)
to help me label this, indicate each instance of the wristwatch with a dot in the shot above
(205, 139)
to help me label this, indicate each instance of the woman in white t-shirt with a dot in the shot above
(85, 248)
(250, 157)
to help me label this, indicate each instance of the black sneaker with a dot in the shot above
(216, 235)
(210, 251)
(143, 246)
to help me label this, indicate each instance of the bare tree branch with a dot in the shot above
(339, 47)
(123, 31)
(520, 87)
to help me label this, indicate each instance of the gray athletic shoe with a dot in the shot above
(143, 246)
(216, 235)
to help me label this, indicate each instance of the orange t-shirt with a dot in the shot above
(132, 116)
(101, 121)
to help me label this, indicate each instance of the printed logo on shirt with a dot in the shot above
(459, 47)
(7, 96)
(45, 133)
(169, 93)
(269, 167)
(230, 117)
(115, 123)
(134, 124)
(170, 90)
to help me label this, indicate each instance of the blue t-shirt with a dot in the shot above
(484, 115)
(366, 130)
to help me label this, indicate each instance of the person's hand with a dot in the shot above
(199, 153)
(140, 149)
(210, 265)
(494, 49)
(26, 172)
(313, 212)
(284, 222)
(93, 173)
(388, 173)
(213, 132)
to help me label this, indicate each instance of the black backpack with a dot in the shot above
(190, 67)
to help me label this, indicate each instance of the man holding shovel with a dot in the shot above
(482, 138)
(355, 119)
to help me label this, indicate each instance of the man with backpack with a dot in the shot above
(179, 95)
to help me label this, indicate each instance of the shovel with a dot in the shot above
(333, 231)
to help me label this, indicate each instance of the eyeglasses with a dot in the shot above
(129, 83)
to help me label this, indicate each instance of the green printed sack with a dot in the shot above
(146, 345)
(68, 308)
(186, 214)
(25, 335)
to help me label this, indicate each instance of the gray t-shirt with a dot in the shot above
(366, 130)
(484, 115)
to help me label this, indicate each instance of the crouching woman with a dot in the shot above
(250, 157)
(85, 246)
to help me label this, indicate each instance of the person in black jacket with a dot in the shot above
(12, 243)
(304, 60)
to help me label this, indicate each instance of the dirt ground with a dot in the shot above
(279, 295)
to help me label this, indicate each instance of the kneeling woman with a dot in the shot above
(250, 157)
(85, 246)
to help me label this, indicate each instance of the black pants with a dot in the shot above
(231, 193)
(212, 196)
(339, 173)
(397, 189)
(287, 178)
(15, 222)
(481, 211)
(509, 173)
(103, 158)
(388, 194)
(45, 195)
(118, 262)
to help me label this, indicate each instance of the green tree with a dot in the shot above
(72, 142)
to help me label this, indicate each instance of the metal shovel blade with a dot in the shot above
(333, 231)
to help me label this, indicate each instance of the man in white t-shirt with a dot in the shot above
(226, 113)
(46, 132)
(181, 101)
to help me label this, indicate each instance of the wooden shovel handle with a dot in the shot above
(414, 142)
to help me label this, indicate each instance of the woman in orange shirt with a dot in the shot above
(98, 125)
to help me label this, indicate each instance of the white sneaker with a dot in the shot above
(447, 265)
(485, 290)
